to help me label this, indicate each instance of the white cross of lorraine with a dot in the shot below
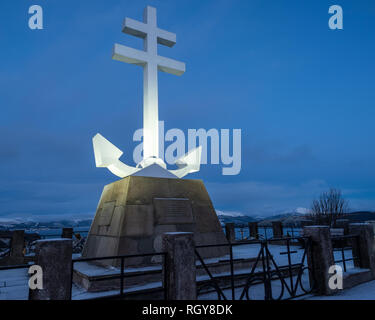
(151, 63)
(108, 155)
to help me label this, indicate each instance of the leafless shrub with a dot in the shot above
(328, 208)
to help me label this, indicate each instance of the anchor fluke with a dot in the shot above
(189, 163)
(107, 155)
(105, 152)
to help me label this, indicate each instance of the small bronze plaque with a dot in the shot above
(173, 211)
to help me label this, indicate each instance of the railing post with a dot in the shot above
(320, 257)
(253, 230)
(67, 233)
(364, 247)
(54, 256)
(17, 247)
(266, 270)
(344, 224)
(179, 266)
(277, 229)
(372, 223)
(231, 270)
(230, 232)
(122, 266)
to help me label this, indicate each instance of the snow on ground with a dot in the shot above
(94, 270)
(14, 283)
(364, 291)
(256, 292)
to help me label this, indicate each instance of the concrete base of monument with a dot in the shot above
(134, 212)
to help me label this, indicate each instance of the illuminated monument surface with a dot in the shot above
(149, 200)
(106, 154)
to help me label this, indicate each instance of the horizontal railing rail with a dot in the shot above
(253, 241)
(342, 244)
(17, 266)
(270, 269)
(122, 274)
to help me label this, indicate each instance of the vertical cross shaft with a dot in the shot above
(150, 89)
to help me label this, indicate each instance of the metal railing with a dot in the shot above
(18, 266)
(292, 231)
(265, 232)
(342, 244)
(54, 235)
(29, 243)
(265, 270)
(242, 232)
(122, 275)
(6, 251)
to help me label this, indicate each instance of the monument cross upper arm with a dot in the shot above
(139, 57)
(140, 29)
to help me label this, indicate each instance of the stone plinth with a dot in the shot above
(277, 229)
(180, 266)
(253, 230)
(67, 233)
(372, 223)
(363, 247)
(230, 232)
(320, 257)
(17, 247)
(134, 212)
(54, 256)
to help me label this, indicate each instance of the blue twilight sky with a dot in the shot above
(302, 94)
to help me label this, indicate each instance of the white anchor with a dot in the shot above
(107, 155)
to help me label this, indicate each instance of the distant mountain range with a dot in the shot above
(237, 218)
(360, 216)
(58, 224)
(292, 218)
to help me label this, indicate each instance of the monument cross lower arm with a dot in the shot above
(106, 154)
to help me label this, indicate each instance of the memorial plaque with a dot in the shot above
(106, 213)
(173, 211)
